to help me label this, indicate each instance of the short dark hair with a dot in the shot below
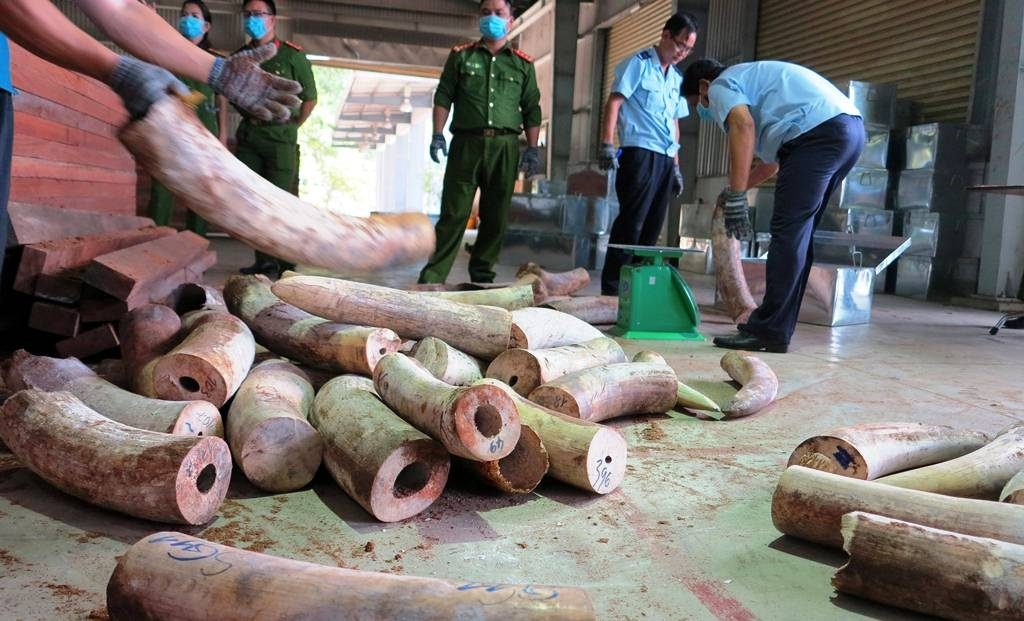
(681, 21)
(704, 69)
(270, 5)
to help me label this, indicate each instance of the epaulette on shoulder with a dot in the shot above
(644, 54)
(463, 46)
(523, 55)
(293, 45)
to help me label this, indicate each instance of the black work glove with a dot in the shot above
(737, 213)
(529, 161)
(262, 94)
(141, 84)
(677, 181)
(437, 143)
(607, 157)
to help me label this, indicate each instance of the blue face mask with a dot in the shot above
(493, 27)
(704, 113)
(255, 27)
(190, 26)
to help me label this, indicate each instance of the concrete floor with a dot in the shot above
(687, 536)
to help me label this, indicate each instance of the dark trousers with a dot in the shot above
(811, 166)
(488, 163)
(6, 145)
(643, 186)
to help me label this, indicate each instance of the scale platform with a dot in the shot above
(654, 301)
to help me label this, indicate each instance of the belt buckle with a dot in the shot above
(489, 133)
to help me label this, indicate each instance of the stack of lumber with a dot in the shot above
(84, 271)
(928, 514)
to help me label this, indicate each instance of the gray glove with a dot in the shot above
(677, 181)
(264, 95)
(141, 84)
(737, 213)
(529, 161)
(437, 143)
(607, 157)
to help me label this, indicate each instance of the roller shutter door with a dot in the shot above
(926, 48)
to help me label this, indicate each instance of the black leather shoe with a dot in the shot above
(749, 342)
(261, 267)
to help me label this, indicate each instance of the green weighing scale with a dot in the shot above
(654, 300)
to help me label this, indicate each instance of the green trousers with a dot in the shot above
(275, 160)
(488, 163)
(161, 206)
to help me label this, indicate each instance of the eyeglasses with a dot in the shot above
(256, 14)
(682, 46)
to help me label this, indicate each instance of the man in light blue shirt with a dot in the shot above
(645, 105)
(803, 128)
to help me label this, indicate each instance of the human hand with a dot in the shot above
(607, 157)
(141, 84)
(677, 181)
(529, 161)
(737, 213)
(263, 95)
(437, 143)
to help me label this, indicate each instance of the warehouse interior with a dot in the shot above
(904, 365)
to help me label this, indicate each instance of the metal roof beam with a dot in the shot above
(374, 118)
(418, 101)
(372, 33)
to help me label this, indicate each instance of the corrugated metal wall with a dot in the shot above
(631, 33)
(926, 48)
(731, 24)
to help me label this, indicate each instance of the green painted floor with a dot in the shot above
(688, 535)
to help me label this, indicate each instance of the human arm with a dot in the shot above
(305, 110)
(611, 117)
(42, 29)
(304, 76)
(142, 33)
(741, 146)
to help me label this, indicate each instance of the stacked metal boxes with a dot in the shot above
(559, 231)
(861, 204)
(934, 211)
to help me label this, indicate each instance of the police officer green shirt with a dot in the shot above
(489, 91)
(648, 117)
(289, 62)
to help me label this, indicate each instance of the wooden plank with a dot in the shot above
(28, 145)
(30, 224)
(28, 103)
(33, 75)
(96, 310)
(79, 195)
(65, 289)
(28, 125)
(90, 342)
(100, 205)
(131, 270)
(53, 319)
(100, 307)
(63, 171)
(75, 253)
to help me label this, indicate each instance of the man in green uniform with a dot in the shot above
(494, 90)
(271, 148)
